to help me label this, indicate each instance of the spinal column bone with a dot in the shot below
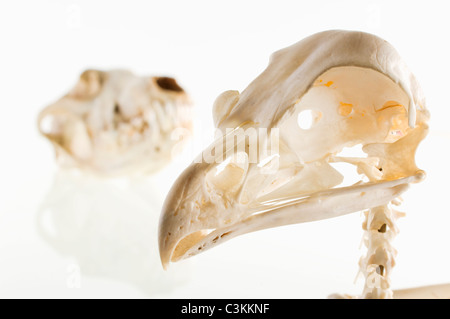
(113, 122)
(354, 91)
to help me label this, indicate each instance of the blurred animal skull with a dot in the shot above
(113, 122)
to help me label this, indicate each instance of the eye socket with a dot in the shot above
(307, 119)
(168, 84)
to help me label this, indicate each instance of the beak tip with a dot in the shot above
(165, 260)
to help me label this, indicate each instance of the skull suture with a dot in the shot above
(115, 122)
(357, 92)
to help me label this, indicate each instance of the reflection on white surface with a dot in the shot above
(108, 228)
(309, 260)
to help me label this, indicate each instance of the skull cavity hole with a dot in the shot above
(168, 84)
(308, 118)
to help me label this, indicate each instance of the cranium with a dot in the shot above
(357, 92)
(115, 122)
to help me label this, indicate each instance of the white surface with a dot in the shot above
(63, 235)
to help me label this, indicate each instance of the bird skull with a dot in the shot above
(115, 122)
(356, 91)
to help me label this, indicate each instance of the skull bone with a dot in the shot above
(114, 122)
(321, 98)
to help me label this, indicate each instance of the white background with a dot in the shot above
(64, 235)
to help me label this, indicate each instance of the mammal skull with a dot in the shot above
(115, 122)
(356, 91)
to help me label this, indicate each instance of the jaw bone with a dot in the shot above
(113, 122)
(357, 92)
